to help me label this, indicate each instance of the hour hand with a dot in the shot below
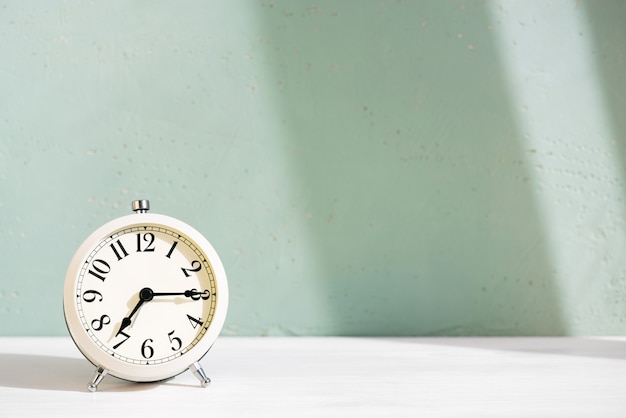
(146, 294)
(127, 320)
(125, 323)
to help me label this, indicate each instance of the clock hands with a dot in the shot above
(146, 294)
(193, 294)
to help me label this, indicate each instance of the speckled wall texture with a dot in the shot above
(363, 167)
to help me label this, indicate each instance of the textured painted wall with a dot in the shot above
(362, 167)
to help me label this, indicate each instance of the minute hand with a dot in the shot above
(193, 293)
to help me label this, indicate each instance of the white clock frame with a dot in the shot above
(107, 363)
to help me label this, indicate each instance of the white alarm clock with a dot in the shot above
(145, 298)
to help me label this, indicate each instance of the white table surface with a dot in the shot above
(333, 377)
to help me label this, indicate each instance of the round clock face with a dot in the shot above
(145, 297)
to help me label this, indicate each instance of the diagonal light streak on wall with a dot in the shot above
(547, 54)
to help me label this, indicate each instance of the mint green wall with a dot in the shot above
(362, 167)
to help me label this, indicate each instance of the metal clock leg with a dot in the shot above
(100, 373)
(197, 371)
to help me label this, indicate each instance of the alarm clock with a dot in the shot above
(145, 298)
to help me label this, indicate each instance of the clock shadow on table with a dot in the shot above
(27, 371)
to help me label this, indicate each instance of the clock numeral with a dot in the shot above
(91, 295)
(123, 341)
(148, 238)
(147, 351)
(101, 268)
(121, 249)
(175, 340)
(98, 324)
(204, 295)
(169, 253)
(195, 266)
(194, 321)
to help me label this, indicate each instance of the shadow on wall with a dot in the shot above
(410, 168)
(608, 38)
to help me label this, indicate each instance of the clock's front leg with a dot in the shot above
(197, 371)
(100, 373)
